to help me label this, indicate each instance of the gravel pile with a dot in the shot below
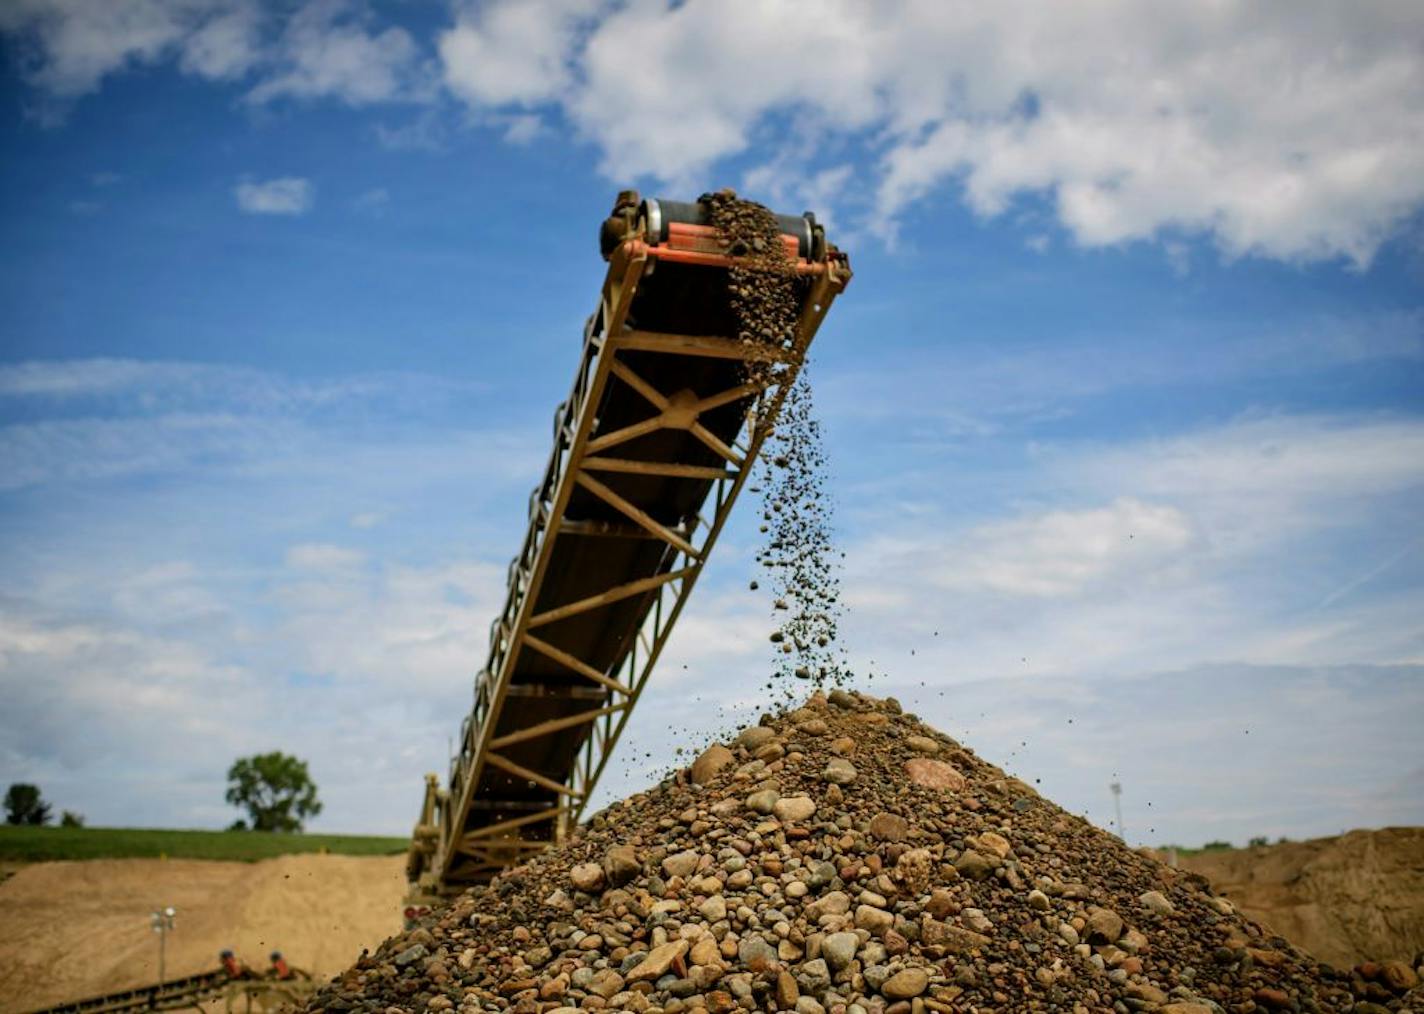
(845, 858)
(800, 559)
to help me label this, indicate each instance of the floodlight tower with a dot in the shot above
(162, 920)
(1116, 788)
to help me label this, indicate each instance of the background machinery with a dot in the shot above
(652, 446)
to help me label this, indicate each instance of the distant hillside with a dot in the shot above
(49, 844)
(1345, 899)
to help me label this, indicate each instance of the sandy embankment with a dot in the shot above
(1347, 899)
(69, 930)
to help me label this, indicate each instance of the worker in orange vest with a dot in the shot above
(279, 969)
(235, 969)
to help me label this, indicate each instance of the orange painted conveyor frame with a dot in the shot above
(651, 448)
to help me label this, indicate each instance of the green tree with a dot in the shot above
(71, 819)
(23, 805)
(275, 789)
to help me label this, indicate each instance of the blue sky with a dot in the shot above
(1125, 403)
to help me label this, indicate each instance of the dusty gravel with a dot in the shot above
(843, 857)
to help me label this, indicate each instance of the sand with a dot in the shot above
(70, 930)
(1356, 897)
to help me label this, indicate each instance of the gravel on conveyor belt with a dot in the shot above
(843, 857)
(797, 516)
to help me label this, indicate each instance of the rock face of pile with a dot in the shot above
(845, 858)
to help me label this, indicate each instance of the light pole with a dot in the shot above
(162, 919)
(1117, 803)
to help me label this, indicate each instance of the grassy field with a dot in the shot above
(46, 844)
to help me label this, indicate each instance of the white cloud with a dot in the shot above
(320, 556)
(1231, 542)
(70, 46)
(321, 49)
(121, 417)
(942, 394)
(286, 195)
(227, 46)
(66, 450)
(1204, 752)
(327, 50)
(1263, 480)
(1274, 129)
(1278, 130)
(512, 52)
(1064, 552)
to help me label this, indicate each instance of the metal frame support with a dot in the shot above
(443, 841)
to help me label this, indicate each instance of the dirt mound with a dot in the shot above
(843, 858)
(70, 930)
(1349, 899)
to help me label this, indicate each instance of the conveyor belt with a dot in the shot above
(175, 994)
(651, 448)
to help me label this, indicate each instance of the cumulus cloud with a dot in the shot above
(286, 195)
(513, 52)
(1281, 130)
(1222, 542)
(69, 46)
(1063, 552)
(328, 49)
(321, 49)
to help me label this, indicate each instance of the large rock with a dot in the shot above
(995, 844)
(905, 984)
(794, 808)
(605, 983)
(658, 961)
(814, 976)
(1104, 925)
(755, 953)
(1157, 902)
(889, 827)
(620, 865)
(763, 800)
(954, 939)
(754, 736)
(1398, 976)
(587, 877)
(839, 949)
(787, 992)
(839, 772)
(876, 920)
(681, 864)
(974, 865)
(712, 760)
(934, 774)
(915, 869)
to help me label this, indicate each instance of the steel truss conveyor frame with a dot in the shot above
(465, 836)
(175, 994)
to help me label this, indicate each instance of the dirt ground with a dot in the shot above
(1347, 899)
(70, 930)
